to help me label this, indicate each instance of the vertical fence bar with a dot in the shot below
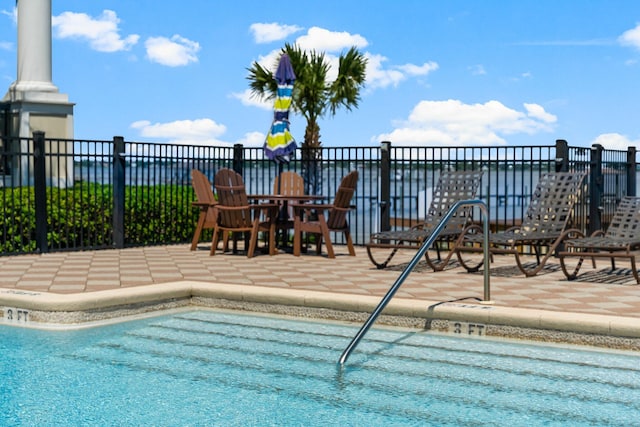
(385, 186)
(596, 182)
(118, 191)
(238, 160)
(631, 171)
(40, 191)
(562, 155)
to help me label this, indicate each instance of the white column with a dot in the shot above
(34, 46)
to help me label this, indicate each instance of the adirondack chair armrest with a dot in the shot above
(203, 205)
(231, 208)
(309, 206)
(270, 210)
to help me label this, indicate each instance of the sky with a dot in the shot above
(454, 73)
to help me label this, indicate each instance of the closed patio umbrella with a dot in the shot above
(280, 144)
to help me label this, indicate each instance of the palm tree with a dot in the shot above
(314, 96)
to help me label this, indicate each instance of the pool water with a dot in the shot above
(226, 369)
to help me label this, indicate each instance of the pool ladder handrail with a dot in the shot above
(414, 261)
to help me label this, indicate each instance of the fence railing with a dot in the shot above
(79, 194)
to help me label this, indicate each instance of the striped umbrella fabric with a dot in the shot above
(280, 144)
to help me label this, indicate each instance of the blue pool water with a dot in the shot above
(218, 368)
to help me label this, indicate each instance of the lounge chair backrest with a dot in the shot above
(552, 203)
(232, 192)
(451, 188)
(342, 201)
(288, 183)
(625, 223)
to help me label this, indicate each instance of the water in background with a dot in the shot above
(506, 191)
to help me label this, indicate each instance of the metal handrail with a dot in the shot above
(425, 246)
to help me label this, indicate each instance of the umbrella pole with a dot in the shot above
(279, 177)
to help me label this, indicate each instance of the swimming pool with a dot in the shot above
(220, 368)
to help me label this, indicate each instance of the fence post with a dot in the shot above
(118, 191)
(385, 186)
(40, 191)
(562, 155)
(631, 171)
(596, 183)
(238, 160)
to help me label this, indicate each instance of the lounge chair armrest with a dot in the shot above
(572, 233)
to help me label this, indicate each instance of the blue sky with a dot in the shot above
(459, 73)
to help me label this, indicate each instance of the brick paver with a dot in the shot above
(596, 291)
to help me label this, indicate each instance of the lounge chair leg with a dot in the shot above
(379, 265)
(571, 275)
(634, 270)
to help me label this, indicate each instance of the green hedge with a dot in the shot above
(81, 217)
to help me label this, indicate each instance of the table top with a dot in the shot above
(300, 197)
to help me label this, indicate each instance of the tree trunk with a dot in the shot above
(311, 157)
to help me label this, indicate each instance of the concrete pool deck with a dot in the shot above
(74, 288)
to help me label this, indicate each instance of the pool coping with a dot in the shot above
(471, 317)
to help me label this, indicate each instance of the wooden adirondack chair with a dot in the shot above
(205, 201)
(320, 219)
(235, 214)
(288, 183)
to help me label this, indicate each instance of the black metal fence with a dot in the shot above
(77, 194)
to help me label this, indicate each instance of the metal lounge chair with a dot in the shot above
(205, 201)
(235, 214)
(320, 219)
(451, 188)
(543, 226)
(620, 239)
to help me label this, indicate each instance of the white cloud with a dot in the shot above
(631, 37)
(536, 111)
(252, 139)
(266, 33)
(380, 77)
(102, 33)
(13, 14)
(478, 70)
(249, 100)
(615, 141)
(418, 70)
(323, 40)
(454, 123)
(195, 132)
(6, 46)
(173, 52)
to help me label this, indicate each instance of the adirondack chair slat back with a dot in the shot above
(202, 187)
(288, 183)
(625, 223)
(342, 201)
(552, 203)
(204, 192)
(232, 192)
